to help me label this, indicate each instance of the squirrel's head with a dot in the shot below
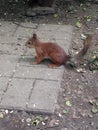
(32, 41)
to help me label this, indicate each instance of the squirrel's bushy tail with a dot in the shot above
(86, 45)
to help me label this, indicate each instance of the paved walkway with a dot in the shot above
(24, 86)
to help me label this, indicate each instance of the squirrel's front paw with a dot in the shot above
(35, 57)
(34, 63)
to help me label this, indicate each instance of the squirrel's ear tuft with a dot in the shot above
(34, 36)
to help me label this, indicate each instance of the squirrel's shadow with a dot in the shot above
(26, 60)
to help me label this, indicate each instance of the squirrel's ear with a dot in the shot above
(34, 36)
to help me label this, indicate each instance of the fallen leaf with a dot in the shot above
(96, 104)
(53, 122)
(1, 115)
(65, 111)
(83, 36)
(91, 102)
(81, 5)
(68, 103)
(94, 110)
(89, 18)
(37, 120)
(78, 24)
(46, 118)
(71, 9)
(84, 9)
(55, 15)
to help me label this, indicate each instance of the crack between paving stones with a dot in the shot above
(4, 91)
(10, 78)
(19, 25)
(38, 79)
(30, 93)
(15, 29)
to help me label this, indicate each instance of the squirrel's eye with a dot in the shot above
(29, 42)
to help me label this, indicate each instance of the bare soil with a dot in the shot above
(78, 99)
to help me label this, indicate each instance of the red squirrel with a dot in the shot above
(54, 52)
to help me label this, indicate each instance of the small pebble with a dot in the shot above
(22, 120)
(28, 124)
(28, 120)
(6, 111)
(43, 123)
(11, 111)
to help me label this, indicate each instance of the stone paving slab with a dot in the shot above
(7, 28)
(24, 86)
(17, 93)
(12, 48)
(8, 64)
(12, 39)
(30, 52)
(54, 27)
(53, 34)
(6, 39)
(48, 102)
(39, 73)
(26, 29)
